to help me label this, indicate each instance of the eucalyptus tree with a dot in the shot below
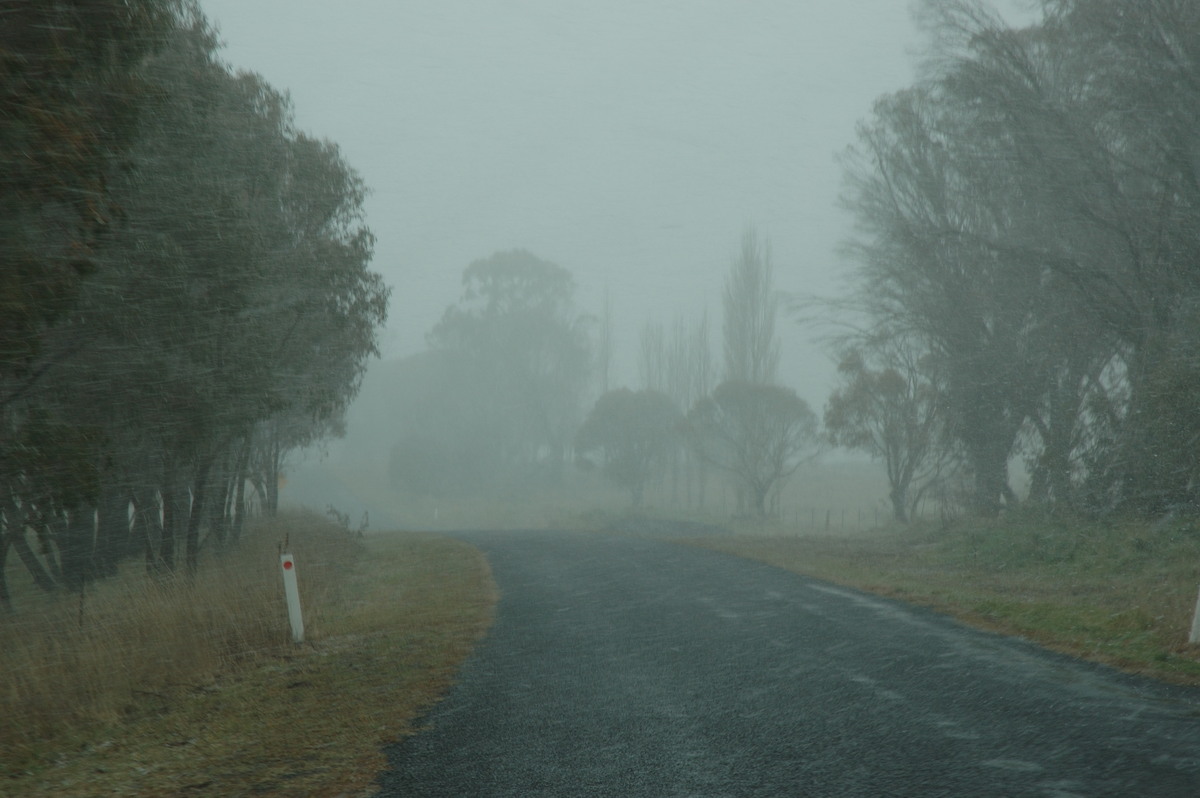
(530, 354)
(235, 294)
(630, 434)
(193, 267)
(70, 103)
(70, 106)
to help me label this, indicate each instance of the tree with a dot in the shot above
(1037, 190)
(604, 346)
(750, 303)
(70, 102)
(529, 353)
(759, 434)
(929, 206)
(251, 320)
(450, 433)
(233, 299)
(631, 433)
(892, 412)
(652, 357)
(70, 108)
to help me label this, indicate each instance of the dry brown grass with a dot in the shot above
(196, 689)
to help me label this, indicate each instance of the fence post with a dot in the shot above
(292, 594)
(1194, 637)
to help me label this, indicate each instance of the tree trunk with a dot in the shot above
(899, 498)
(219, 509)
(77, 552)
(5, 543)
(42, 576)
(991, 483)
(148, 527)
(174, 508)
(112, 529)
(239, 492)
(760, 501)
(199, 490)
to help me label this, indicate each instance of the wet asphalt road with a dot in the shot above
(621, 667)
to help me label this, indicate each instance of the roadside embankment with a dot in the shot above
(194, 687)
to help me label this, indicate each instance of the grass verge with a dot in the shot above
(1117, 593)
(388, 620)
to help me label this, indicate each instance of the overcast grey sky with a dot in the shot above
(628, 141)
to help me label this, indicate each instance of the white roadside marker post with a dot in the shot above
(292, 593)
(1194, 637)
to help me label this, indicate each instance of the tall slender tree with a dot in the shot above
(751, 345)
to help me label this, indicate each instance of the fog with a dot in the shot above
(628, 142)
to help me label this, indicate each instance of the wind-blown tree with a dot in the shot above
(926, 213)
(1055, 165)
(888, 405)
(758, 434)
(630, 434)
(1106, 123)
(529, 352)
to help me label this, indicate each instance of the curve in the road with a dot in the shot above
(622, 667)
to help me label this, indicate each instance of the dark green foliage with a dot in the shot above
(223, 317)
(630, 434)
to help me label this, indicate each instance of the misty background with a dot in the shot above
(629, 143)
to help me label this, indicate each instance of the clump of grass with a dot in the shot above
(1118, 592)
(72, 663)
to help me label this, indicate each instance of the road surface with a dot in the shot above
(623, 667)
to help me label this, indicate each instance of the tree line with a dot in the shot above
(1025, 288)
(1026, 254)
(185, 294)
(497, 402)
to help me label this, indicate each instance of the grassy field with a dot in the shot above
(1119, 593)
(196, 689)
